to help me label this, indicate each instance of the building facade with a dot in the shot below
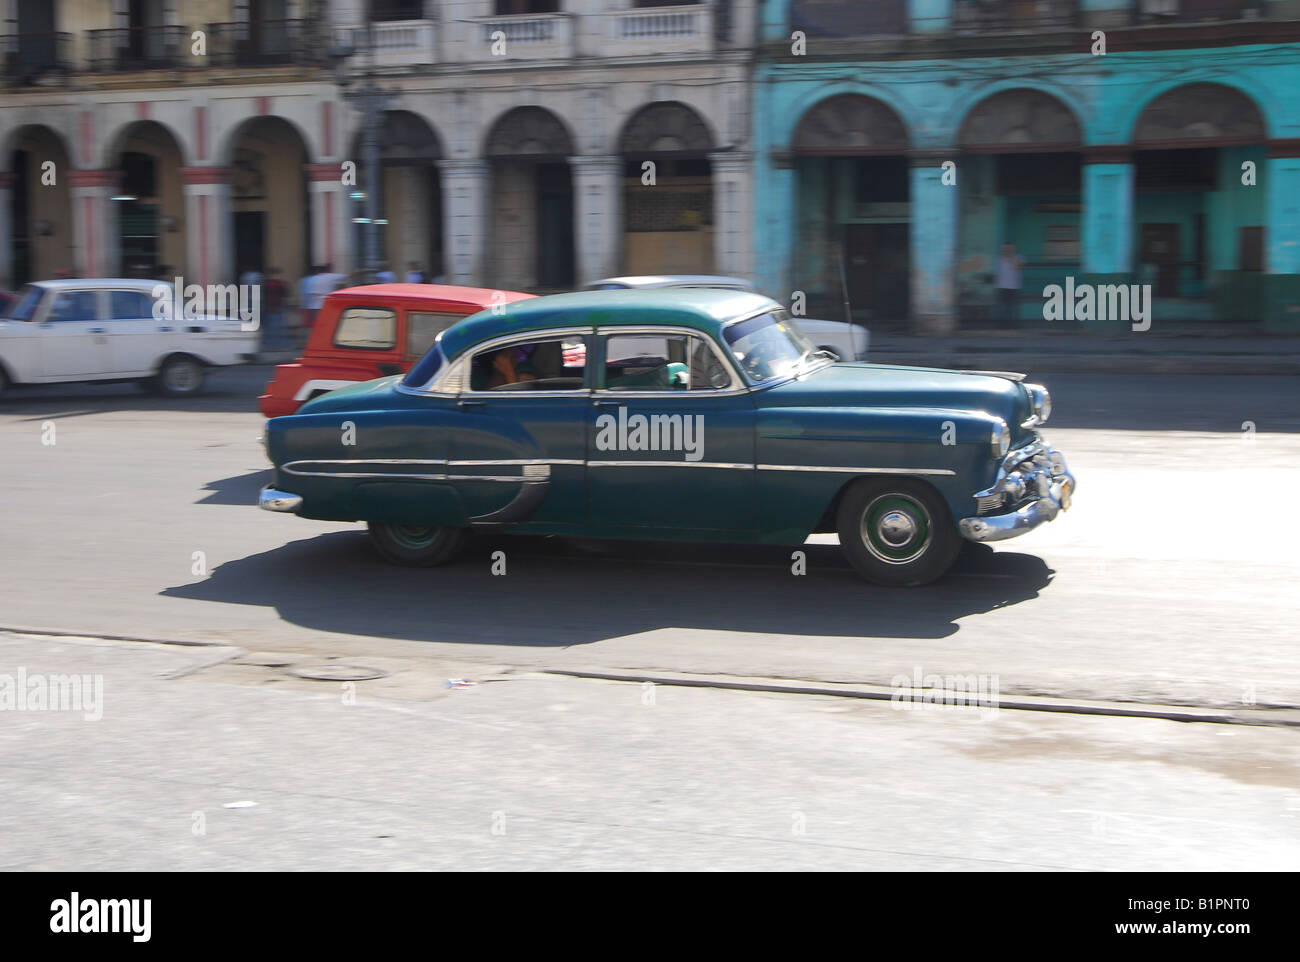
(899, 144)
(524, 144)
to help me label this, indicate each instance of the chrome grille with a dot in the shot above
(989, 503)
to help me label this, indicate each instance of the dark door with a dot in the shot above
(554, 227)
(877, 264)
(250, 226)
(36, 37)
(1160, 247)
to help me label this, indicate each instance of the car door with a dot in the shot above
(670, 437)
(517, 456)
(137, 341)
(74, 337)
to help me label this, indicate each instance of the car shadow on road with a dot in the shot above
(240, 489)
(558, 593)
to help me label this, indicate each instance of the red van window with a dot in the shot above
(368, 328)
(423, 328)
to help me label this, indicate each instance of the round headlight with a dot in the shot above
(1041, 399)
(1001, 439)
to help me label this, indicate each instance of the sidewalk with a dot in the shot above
(1066, 353)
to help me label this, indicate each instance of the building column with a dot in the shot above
(597, 215)
(94, 223)
(1107, 241)
(933, 242)
(775, 223)
(329, 222)
(731, 214)
(208, 220)
(6, 231)
(1281, 176)
(929, 16)
(464, 193)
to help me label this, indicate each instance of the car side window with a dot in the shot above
(130, 305)
(73, 306)
(367, 328)
(667, 362)
(423, 328)
(546, 364)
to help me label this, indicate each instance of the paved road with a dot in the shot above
(234, 766)
(1172, 579)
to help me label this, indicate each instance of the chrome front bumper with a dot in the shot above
(273, 500)
(1037, 472)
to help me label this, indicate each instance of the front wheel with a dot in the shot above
(897, 533)
(416, 545)
(179, 376)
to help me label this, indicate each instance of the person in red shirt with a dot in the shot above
(275, 292)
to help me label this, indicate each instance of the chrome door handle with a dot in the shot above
(471, 404)
(98, 330)
(166, 330)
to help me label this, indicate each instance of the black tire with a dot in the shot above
(4, 380)
(179, 376)
(416, 546)
(897, 532)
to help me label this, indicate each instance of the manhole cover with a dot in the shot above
(337, 672)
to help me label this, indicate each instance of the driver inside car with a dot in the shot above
(509, 365)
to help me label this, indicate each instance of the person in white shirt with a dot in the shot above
(1007, 282)
(385, 276)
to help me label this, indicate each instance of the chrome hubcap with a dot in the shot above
(896, 528)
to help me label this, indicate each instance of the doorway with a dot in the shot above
(876, 267)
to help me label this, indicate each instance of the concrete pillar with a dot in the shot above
(6, 232)
(464, 192)
(1107, 211)
(94, 223)
(1281, 178)
(929, 16)
(597, 215)
(776, 224)
(933, 238)
(732, 254)
(208, 225)
(329, 221)
(775, 24)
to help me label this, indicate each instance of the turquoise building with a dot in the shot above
(899, 144)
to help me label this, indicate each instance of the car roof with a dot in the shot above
(645, 281)
(97, 283)
(704, 309)
(477, 297)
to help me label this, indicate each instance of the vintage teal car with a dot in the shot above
(691, 415)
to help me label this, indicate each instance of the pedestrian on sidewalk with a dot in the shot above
(275, 292)
(1008, 280)
(413, 273)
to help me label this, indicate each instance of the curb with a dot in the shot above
(1280, 716)
(1101, 363)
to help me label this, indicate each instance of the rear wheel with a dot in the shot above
(4, 380)
(179, 376)
(415, 545)
(897, 533)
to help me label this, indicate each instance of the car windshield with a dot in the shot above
(425, 368)
(769, 346)
(24, 308)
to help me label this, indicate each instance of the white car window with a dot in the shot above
(73, 306)
(129, 305)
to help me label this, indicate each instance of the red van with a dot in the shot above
(362, 333)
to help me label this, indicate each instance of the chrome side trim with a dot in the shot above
(934, 472)
(726, 465)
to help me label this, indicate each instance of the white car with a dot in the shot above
(848, 342)
(108, 329)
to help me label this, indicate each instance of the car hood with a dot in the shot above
(357, 397)
(894, 386)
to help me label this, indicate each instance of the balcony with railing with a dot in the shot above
(258, 43)
(137, 48)
(1010, 16)
(32, 59)
(397, 43)
(544, 36)
(650, 31)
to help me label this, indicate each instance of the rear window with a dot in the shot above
(423, 328)
(367, 328)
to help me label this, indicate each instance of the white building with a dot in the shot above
(530, 144)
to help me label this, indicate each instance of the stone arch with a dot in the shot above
(1200, 114)
(666, 127)
(1020, 120)
(850, 123)
(529, 132)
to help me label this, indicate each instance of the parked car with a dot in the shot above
(848, 342)
(366, 332)
(733, 428)
(108, 329)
